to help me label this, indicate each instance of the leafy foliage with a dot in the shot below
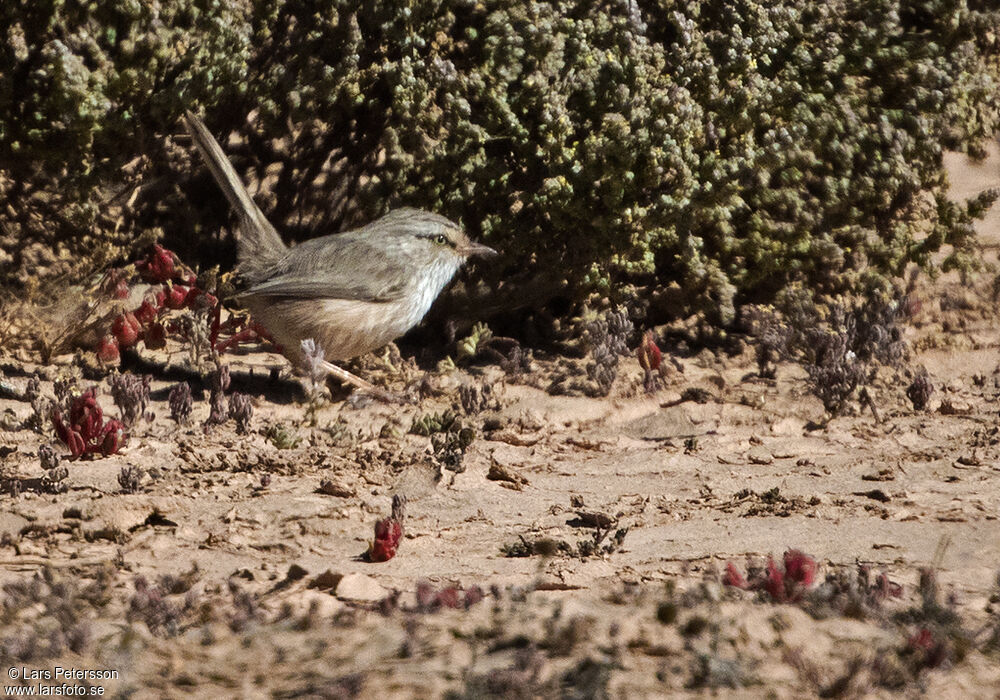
(732, 148)
(85, 89)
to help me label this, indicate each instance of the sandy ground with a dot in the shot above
(238, 567)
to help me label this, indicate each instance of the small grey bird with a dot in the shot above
(351, 292)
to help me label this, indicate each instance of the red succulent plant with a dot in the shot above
(87, 432)
(175, 288)
(388, 532)
(784, 584)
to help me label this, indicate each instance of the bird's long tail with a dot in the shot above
(259, 244)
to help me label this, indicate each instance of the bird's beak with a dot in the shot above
(473, 249)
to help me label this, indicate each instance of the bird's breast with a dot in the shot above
(346, 328)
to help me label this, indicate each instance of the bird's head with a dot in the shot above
(435, 238)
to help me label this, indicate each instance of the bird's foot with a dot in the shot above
(363, 386)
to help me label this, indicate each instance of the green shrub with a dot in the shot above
(729, 147)
(85, 88)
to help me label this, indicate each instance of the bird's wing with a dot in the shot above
(309, 287)
(335, 267)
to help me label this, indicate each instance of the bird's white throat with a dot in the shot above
(426, 287)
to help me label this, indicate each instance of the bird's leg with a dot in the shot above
(367, 387)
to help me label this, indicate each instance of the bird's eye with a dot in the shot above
(440, 240)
